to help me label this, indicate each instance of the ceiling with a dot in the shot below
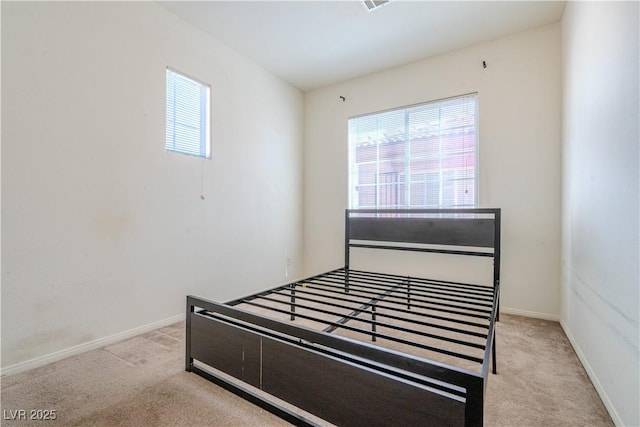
(311, 44)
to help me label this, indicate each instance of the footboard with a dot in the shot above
(343, 381)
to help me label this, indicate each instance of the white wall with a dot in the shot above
(520, 129)
(601, 198)
(102, 230)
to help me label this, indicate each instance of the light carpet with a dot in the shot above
(141, 382)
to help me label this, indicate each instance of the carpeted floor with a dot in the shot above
(142, 382)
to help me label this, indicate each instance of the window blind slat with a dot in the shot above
(187, 115)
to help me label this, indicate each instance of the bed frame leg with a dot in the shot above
(188, 359)
(493, 356)
(293, 301)
(373, 325)
(346, 280)
(474, 408)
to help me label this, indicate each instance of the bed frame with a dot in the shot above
(324, 370)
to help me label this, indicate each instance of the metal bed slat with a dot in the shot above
(380, 335)
(445, 296)
(484, 313)
(366, 285)
(335, 291)
(354, 316)
(452, 288)
(421, 279)
(388, 276)
(307, 290)
(371, 303)
(428, 290)
(382, 314)
(436, 307)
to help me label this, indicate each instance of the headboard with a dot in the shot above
(473, 232)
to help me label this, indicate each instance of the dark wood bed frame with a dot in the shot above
(346, 381)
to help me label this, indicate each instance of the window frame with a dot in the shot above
(407, 175)
(204, 131)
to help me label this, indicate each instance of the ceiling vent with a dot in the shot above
(374, 4)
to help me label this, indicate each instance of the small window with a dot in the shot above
(188, 129)
(422, 156)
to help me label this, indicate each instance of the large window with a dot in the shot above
(423, 156)
(187, 129)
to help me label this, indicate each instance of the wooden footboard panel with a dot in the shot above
(341, 381)
(346, 394)
(228, 348)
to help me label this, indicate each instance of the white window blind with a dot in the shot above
(187, 129)
(423, 156)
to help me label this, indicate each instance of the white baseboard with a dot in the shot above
(91, 345)
(592, 376)
(526, 313)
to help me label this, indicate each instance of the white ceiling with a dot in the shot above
(311, 44)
